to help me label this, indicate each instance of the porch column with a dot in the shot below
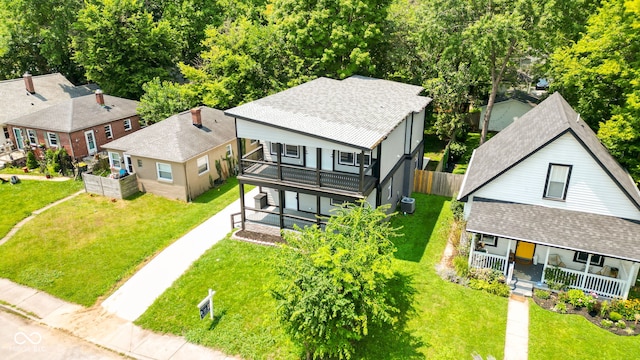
(242, 216)
(586, 272)
(361, 185)
(472, 247)
(546, 262)
(279, 156)
(630, 278)
(240, 155)
(506, 263)
(281, 206)
(318, 167)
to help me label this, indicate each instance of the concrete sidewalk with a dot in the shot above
(134, 297)
(101, 328)
(516, 346)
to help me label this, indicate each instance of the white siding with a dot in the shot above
(307, 203)
(251, 130)
(590, 188)
(417, 133)
(310, 157)
(392, 149)
(327, 159)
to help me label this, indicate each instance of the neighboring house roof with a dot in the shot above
(356, 111)
(576, 230)
(16, 101)
(176, 139)
(505, 112)
(78, 113)
(546, 122)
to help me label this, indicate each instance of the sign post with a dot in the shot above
(206, 305)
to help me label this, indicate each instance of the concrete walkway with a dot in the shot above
(19, 225)
(99, 327)
(516, 346)
(134, 297)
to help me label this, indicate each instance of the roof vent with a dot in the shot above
(28, 83)
(196, 118)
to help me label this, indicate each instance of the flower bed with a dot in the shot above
(620, 317)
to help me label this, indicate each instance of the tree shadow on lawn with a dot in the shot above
(417, 227)
(394, 341)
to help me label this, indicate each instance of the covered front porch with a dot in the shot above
(608, 277)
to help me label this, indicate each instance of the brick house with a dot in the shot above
(81, 125)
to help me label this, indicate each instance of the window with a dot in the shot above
(6, 132)
(114, 160)
(139, 163)
(33, 137)
(336, 202)
(581, 257)
(107, 131)
(127, 125)
(53, 139)
(229, 150)
(352, 158)
(203, 164)
(557, 181)
(164, 172)
(287, 150)
(390, 189)
(489, 240)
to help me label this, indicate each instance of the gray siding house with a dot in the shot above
(326, 142)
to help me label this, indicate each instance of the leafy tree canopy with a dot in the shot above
(335, 282)
(121, 47)
(162, 99)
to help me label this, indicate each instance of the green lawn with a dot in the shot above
(574, 337)
(80, 249)
(449, 321)
(20, 200)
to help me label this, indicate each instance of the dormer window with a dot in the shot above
(557, 182)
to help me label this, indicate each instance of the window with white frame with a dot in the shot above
(107, 131)
(127, 124)
(390, 189)
(287, 150)
(114, 160)
(229, 150)
(53, 139)
(33, 137)
(203, 164)
(489, 240)
(164, 172)
(353, 158)
(557, 181)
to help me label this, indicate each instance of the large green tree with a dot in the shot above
(335, 282)
(121, 47)
(162, 99)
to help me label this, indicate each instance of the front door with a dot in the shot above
(524, 252)
(18, 135)
(128, 163)
(91, 142)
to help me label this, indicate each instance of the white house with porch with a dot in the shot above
(546, 195)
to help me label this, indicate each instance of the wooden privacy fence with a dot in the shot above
(437, 183)
(113, 188)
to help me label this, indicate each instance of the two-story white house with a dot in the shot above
(326, 142)
(545, 194)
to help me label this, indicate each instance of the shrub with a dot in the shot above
(32, 162)
(542, 294)
(620, 324)
(615, 316)
(457, 208)
(594, 306)
(560, 307)
(456, 150)
(627, 308)
(558, 279)
(604, 308)
(461, 265)
(577, 298)
(495, 288)
(606, 323)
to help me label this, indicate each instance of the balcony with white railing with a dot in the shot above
(484, 260)
(602, 285)
(254, 165)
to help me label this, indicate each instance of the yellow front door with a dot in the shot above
(524, 251)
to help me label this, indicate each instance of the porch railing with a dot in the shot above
(254, 164)
(601, 285)
(480, 260)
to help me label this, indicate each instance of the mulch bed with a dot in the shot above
(548, 304)
(257, 237)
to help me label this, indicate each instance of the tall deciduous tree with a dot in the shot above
(121, 47)
(162, 99)
(335, 282)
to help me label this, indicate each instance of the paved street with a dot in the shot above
(21, 338)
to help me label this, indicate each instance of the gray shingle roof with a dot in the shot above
(357, 111)
(176, 138)
(607, 235)
(78, 113)
(544, 123)
(50, 89)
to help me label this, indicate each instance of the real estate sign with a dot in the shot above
(206, 305)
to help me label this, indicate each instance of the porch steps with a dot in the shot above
(522, 289)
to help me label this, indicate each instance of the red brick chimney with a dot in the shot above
(28, 83)
(196, 117)
(99, 97)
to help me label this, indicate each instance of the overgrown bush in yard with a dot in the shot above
(577, 298)
(457, 208)
(495, 288)
(456, 150)
(560, 307)
(542, 294)
(32, 162)
(335, 282)
(461, 264)
(627, 308)
(614, 316)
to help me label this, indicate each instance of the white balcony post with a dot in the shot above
(506, 265)
(586, 272)
(546, 263)
(472, 247)
(632, 273)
